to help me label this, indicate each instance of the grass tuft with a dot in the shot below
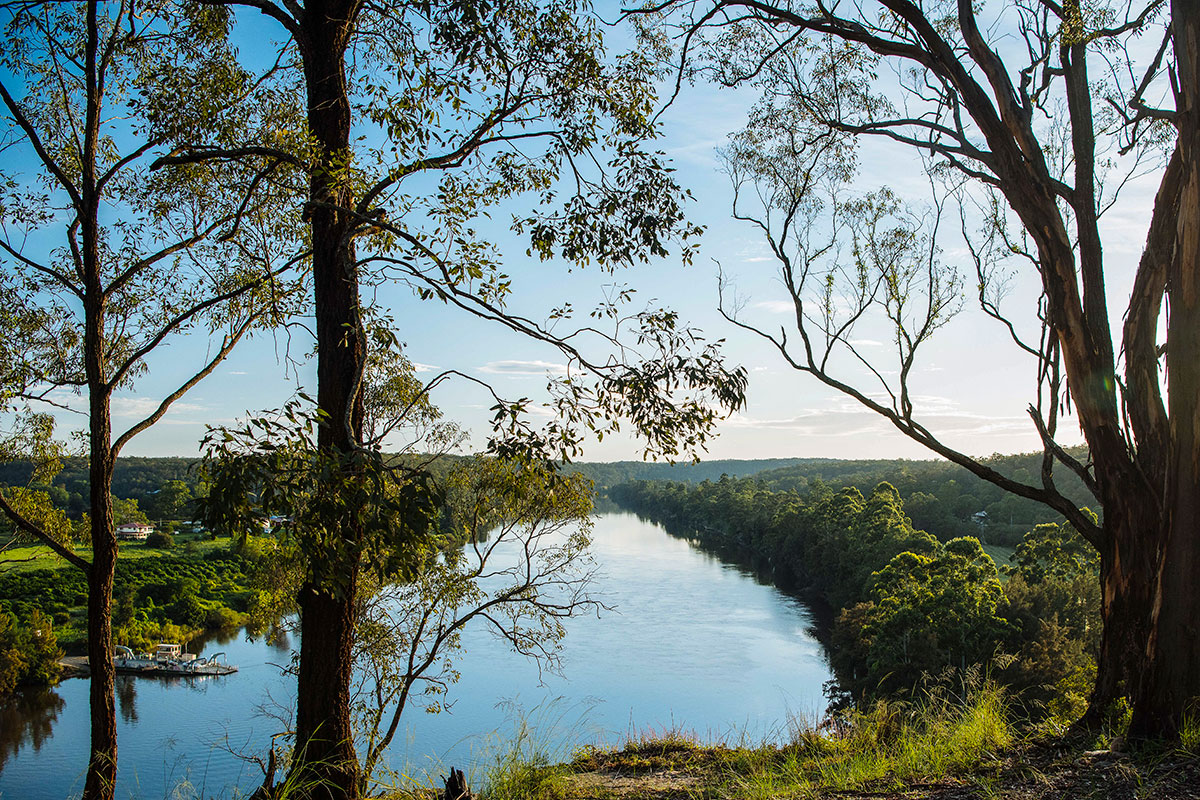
(885, 746)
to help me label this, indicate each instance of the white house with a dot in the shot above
(136, 531)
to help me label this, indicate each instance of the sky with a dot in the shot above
(971, 386)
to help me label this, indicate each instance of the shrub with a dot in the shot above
(160, 540)
(188, 612)
(220, 618)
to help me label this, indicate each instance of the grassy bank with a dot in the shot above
(941, 749)
(886, 748)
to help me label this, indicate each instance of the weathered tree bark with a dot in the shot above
(100, 782)
(325, 757)
(455, 786)
(1126, 579)
(1171, 685)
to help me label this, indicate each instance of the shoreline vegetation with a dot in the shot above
(963, 750)
(977, 706)
(908, 605)
(179, 593)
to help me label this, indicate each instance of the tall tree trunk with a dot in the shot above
(100, 782)
(326, 763)
(1171, 687)
(1127, 568)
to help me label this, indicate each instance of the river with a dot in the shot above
(693, 644)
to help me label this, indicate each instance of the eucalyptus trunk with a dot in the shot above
(1170, 690)
(101, 779)
(100, 783)
(1127, 568)
(325, 762)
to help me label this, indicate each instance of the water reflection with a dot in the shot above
(696, 644)
(126, 689)
(27, 717)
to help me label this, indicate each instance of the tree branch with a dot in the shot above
(60, 549)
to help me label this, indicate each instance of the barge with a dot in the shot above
(169, 660)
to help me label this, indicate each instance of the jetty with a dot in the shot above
(168, 660)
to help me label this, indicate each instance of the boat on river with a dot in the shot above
(168, 659)
(125, 660)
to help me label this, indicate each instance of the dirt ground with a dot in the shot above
(1031, 772)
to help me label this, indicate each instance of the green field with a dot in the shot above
(999, 553)
(35, 557)
(168, 594)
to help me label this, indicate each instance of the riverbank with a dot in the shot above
(1057, 768)
(944, 749)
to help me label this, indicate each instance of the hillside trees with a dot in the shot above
(107, 260)
(924, 612)
(1031, 142)
(464, 106)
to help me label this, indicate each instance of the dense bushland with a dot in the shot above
(29, 652)
(171, 597)
(908, 605)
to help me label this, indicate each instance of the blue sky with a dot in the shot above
(971, 387)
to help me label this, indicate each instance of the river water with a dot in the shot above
(693, 644)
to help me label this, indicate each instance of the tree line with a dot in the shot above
(938, 495)
(908, 605)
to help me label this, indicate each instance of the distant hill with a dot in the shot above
(938, 495)
(611, 473)
(134, 479)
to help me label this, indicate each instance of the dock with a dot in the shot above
(78, 667)
(74, 666)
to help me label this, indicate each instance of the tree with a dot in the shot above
(29, 653)
(517, 562)
(1054, 608)
(489, 102)
(1020, 138)
(172, 501)
(925, 613)
(105, 260)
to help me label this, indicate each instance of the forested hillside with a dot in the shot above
(941, 497)
(606, 474)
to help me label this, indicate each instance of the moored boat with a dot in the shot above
(169, 659)
(125, 660)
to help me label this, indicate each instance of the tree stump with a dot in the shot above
(456, 786)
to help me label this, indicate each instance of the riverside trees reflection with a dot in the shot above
(27, 719)
(909, 607)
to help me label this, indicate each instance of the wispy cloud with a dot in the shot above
(776, 306)
(238, 372)
(846, 419)
(144, 406)
(517, 367)
(419, 367)
(702, 152)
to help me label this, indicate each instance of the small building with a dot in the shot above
(134, 531)
(980, 518)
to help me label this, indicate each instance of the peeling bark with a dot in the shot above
(1171, 687)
